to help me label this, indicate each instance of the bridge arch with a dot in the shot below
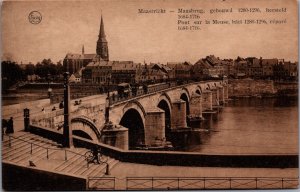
(198, 90)
(164, 103)
(208, 86)
(137, 106)
(185, 97)
(133, 118)
(186, 92)
(165, 97)
(84, 127)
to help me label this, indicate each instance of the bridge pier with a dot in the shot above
(195, 110)
(225, 91)
(178, 115)
(215, 97)
(207, 101)
(209, 117)
(116, 137)
(154, 127)
(221, 95)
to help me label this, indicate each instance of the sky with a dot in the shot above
(67, 25)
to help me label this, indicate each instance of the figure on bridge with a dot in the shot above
(10, 126)
(96, 152)
(61, 105)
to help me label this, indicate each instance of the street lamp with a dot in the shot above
(107, 124)
(67, 131)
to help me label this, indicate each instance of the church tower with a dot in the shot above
(102, 48)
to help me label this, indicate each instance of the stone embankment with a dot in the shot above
(261, 88)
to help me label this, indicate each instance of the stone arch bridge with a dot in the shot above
(143, 119)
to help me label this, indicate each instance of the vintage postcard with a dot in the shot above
(149, 95)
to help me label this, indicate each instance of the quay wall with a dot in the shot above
(250, 87)
(19, 178)
(261, 88)
(286, 88)
(177, 158)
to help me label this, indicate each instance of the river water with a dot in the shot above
(244, 126)
(249, 126)
(11, 99)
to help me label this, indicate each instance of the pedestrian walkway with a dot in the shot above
(140, 176)
(29, 150)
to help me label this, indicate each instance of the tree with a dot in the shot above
(44, 68)
(11, 74)
(60, 68)
(40, 70)
(47, 69)
(29, 69)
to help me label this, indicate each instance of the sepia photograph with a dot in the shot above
(149, 95)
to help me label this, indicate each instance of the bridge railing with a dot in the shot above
(101, 183)
(115, 98)
(192, 183)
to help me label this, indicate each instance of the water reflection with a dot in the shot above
(249, 125)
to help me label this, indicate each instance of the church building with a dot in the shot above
(73, 62)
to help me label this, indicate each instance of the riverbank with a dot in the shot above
(261, 88)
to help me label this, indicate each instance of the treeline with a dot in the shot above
(13, 72)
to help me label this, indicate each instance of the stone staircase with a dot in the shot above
(48, 155)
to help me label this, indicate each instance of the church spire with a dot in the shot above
(102, 48)
(102, 33)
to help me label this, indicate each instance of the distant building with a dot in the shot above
(201, 69)
(279, 71)
(267, 65)
(125, 72)
(97, 72)
(116, 72)
(155, 72)
(228, 67)
(255, 69)
(242, 68)
(216, 64)
(182, 70)
(74, 62)
(285, 70)
(292, 69)
(76, 77)
(210, 66)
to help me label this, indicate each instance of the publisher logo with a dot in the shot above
(35, 17)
